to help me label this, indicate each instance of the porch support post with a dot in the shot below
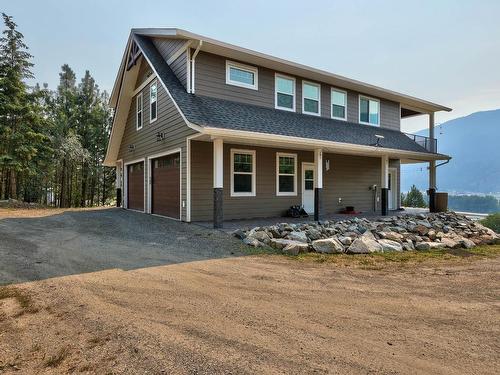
(218, 182)
(432, 170)
(318, 189)
(384, 191)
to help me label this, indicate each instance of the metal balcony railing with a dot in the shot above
(430, 144)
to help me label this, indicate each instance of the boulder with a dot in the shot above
(364, 244)
(296, 247)
(345, 240)
(466, 243)
(297, 236)
(260, 236)
(328, 245)
(450, 242)
(408, 245)
(389, 245)
(238, 233)
(280, 243)
(252, 242)
(313, 234)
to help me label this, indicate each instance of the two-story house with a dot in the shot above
(204, 130)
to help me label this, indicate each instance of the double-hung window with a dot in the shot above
(369, 111)
(242, 75)
(311, 98)
(286, 174)
(242, 173)
(284, 92)
(153, 102)
(138, 111)
(339, 104)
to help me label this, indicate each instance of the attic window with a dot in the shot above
(153, 102)
(241, 75)
(138, 111)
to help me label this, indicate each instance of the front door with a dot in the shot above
(308, 187)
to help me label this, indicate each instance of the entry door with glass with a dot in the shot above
(308, 187)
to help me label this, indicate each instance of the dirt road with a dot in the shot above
(255, 315)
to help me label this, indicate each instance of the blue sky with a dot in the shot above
(443, 51)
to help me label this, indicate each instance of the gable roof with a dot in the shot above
(209, 115)
(285, 66)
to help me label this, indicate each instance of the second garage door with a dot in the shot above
(135, 186)
(165, 186)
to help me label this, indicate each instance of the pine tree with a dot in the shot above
(19, 111)
(414, 198)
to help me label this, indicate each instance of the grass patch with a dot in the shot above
(24, 299)
(379, 260)
(56, 360)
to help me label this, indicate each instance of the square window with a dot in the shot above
(369, 111)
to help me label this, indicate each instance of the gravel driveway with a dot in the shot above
(73, 242)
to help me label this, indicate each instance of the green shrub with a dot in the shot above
(492, 221)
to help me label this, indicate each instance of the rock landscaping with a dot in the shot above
(363, 236)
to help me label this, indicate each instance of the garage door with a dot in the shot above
(165, 186)
(135, 186)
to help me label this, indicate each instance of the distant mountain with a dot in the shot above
(474, 144)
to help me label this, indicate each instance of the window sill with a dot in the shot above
(238, 195)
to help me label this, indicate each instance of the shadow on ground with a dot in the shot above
(93, 240)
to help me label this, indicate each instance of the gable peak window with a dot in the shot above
(241, 75)
(284, 92)
(369, 111)
(339, 104)
(153, 102)
(242, 173)
(286, 174)
(138, 111)
(311, 97)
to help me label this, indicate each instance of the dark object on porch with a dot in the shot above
(441, 202)
(349, 210)
(296, 212)
(432, 199)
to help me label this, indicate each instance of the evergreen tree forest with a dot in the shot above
(52, 141)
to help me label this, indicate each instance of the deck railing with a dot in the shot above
(430, 144)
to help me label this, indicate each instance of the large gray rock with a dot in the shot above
(296, 247)
(345, 240)
(297, 236)
(252, 242)
(364, 244)
(328, 245)
(260, 236)
(389, 245)
(408, 245)
(313, 234)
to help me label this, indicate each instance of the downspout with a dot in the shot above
(192, 66)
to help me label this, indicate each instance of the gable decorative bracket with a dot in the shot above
(133, 55)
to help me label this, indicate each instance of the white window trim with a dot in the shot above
(319, 98)
(137, 111)
(248, 68)
(278, 174)
(151, 120)
(331, 104)
(276, 75)
(253, 173)
(359, 110)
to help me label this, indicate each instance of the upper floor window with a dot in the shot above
(285, 92)
(138, 111)
(311, 98)
(369, 111)
(339, 104)
(153, 102)
(241, 75)
(242, 173)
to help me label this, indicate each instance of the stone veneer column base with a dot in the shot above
(385, 201)
(317, 204)
(218, 208)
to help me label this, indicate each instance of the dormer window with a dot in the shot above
(284, 92)
(339, 104)
(369, 111)
(241, 75)
(311, 98)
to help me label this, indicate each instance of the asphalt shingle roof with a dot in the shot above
(225, 114)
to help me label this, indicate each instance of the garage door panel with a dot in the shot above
(135, 186)
(165, 188)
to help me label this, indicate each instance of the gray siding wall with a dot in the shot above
(166, 48)
(349, 178)
(210, 80)
(169, 121)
